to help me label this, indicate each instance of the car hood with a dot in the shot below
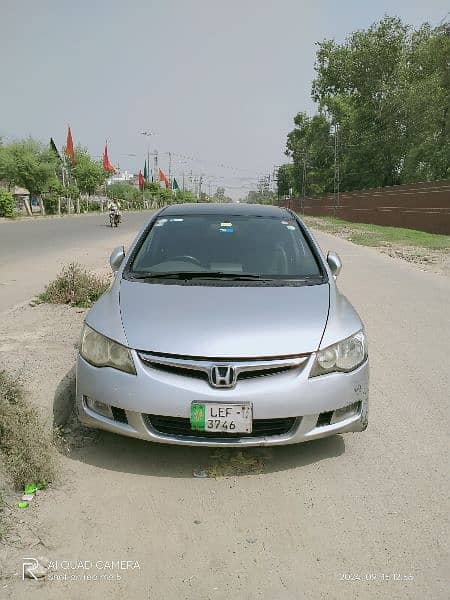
(221, 321)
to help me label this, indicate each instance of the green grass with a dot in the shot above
(366, 234)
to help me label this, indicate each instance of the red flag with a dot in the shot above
(106, 164)
(141, 180)
(163, 177)
(70, 152)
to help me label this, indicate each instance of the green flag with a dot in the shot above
(145, 171)
(175, 185)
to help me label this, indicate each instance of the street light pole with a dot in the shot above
(148, 134)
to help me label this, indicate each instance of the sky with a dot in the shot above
(216, 82)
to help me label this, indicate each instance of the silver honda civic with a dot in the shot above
(223, 327)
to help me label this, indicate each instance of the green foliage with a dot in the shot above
(286, 179)
(125, 192)
(220, 196)
(7, 204)
(51, 203)
(388, 89)
(260, 197)
(88, 173)
(184, 197)
(151, 187)
(72, 191)
(29, 164)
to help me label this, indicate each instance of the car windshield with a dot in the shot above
(207, 246)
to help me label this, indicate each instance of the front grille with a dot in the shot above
(201, 368)
(179, 426)
(263, 373)
(179, 370)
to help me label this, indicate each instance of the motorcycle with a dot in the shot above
(114, 217)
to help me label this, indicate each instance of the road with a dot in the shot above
(32, 251)
(357, 516)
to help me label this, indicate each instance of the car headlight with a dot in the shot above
(100, 351)
(344, 356)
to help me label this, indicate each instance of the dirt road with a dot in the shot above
(357, 516)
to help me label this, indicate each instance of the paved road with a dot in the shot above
(33, 251)
(357, 516)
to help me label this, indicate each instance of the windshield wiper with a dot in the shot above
(193, 275)
(184, 275)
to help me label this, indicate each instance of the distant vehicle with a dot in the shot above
(114, 217)
(223, 327)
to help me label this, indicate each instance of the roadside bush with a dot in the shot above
(51, 204)
(94, 206)
(7, 204)
(75, 286)
(26, 446)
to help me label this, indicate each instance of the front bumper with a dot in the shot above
(290, 394)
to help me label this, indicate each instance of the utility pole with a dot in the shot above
(183, 182)
(200, 187)
(155, 157)
(170, 168)
(147, 134)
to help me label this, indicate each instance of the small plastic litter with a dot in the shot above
(32, 488)
(27, 497)
(22, 504)
(202, 473)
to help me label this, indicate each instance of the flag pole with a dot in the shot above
(170, 169)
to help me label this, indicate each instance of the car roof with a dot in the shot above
(226, 208)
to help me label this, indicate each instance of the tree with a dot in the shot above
(125, 192)
(260, 197)
(285, 180)
(29, 164)
(184, 197)
(88, 174)
(220, 196)
(7, 204)
(427, 101)
(310, 145)
(383, 100)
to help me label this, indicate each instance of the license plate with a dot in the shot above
(222, 418)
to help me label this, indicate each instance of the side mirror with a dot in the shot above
(116, 258)
(335, 263)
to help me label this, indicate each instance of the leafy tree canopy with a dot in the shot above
(383, 98)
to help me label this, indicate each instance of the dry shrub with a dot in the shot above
(26, 448)
(75, 286)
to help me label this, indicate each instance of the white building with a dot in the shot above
(121, 177)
